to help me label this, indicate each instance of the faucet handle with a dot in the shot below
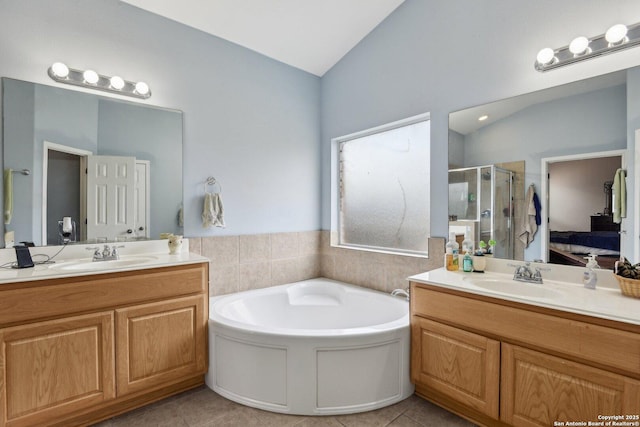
(114, 250)
(96, 251)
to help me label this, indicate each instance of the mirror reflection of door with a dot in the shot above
(110, 197)
(580, 219)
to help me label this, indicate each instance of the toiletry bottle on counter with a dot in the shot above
(467, 244)
(590, 277)
(451, 253)
(467, 263)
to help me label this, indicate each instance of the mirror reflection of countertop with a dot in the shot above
(74, 261)
(606, 302)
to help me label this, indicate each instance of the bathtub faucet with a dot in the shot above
(400, 292)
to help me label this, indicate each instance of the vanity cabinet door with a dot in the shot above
(456, 363)
(538, 389)
(160, 343)
(54, 368)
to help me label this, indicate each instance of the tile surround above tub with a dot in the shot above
(239, 263)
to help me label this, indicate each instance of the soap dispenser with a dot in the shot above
(590, 278)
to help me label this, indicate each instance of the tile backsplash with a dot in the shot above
(239, 263)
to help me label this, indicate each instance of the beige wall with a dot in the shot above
(239, 263)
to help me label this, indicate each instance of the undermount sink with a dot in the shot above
(514, 288)
(88, 264)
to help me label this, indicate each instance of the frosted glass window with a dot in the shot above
(384, 189)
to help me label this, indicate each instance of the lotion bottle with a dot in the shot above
(467, 244)
(590, 277)
(451, 253)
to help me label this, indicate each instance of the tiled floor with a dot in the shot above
(202, 407)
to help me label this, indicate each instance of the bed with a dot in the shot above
(570, 247)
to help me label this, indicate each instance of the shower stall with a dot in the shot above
(481, 203)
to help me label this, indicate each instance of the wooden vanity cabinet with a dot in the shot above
(501, 363)
(56, 367)
(457, 363)
(538, 389)
(78, 350)
(160, 341)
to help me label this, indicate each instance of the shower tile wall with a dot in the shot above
(239, 263)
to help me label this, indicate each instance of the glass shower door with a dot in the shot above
(503, 213)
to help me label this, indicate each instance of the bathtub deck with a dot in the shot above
(204, 408)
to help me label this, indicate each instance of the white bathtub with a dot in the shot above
(317, 347)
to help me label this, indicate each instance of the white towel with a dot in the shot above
(8, 196)
(213, 211)
(528, 225)
(619, 196)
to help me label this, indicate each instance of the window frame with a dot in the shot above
(336, 223)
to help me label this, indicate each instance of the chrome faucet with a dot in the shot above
(107, 254)
(524, 273)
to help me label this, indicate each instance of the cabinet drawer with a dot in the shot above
(55, 297)
(538, 389)
(456, 363)
(602, 345)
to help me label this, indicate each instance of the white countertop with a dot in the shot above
(144, 255)
(606, 302)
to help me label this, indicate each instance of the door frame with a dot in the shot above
(52, 146)
(147, 178)
(544, 209)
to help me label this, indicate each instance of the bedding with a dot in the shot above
(584, 242)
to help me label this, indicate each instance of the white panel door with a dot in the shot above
(110, 196)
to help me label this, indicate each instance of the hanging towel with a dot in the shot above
(619, 194)
(213, 211)
(8, 195)
(529, 225)
(180, 217)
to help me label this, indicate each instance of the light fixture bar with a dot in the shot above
(90, 79)
(549, 59)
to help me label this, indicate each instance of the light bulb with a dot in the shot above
(579, 45)
(60, 70)
(116, 82)
(545, 56)
(483, 118)
(616, 34)
(90, 77)
(142, 88)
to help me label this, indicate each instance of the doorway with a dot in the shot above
(63, 190)
(577, 208)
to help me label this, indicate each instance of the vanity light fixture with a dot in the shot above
(91, 79)
(616, 38)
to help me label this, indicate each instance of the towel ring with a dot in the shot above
(212, 181)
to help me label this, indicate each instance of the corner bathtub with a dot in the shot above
(316, 347)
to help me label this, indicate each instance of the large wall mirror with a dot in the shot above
(563, 144)
(83, 168)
